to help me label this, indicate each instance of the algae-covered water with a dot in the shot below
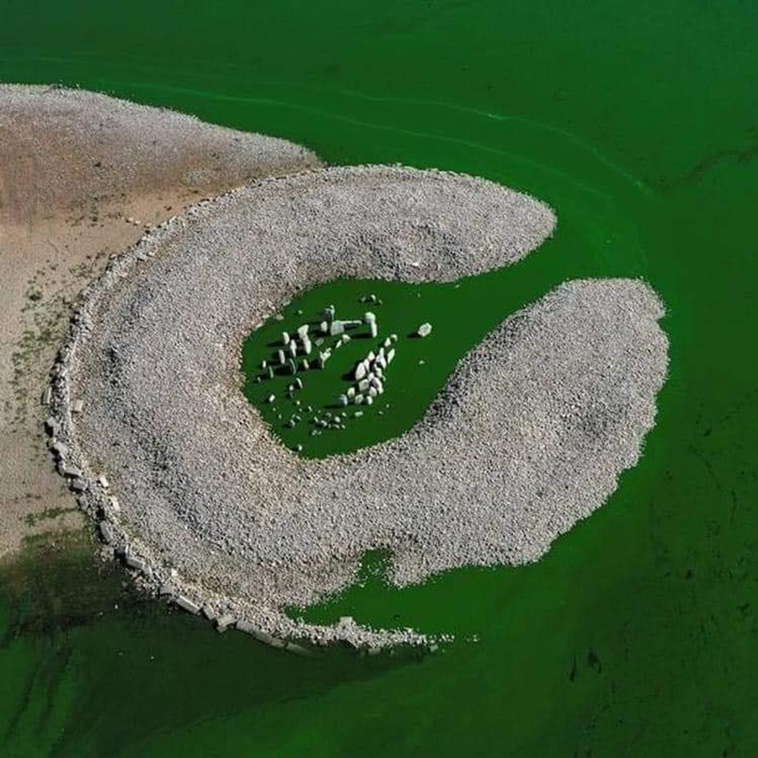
(637, 634)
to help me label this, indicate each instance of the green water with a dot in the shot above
(461, 314)
(637, 634)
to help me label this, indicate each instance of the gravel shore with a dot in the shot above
(529, 436)
(82, 176)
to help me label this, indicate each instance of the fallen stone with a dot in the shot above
(135, 563)
(106, 532)
(186, 604)
(59, 448)
(69, 470)
(224, 622)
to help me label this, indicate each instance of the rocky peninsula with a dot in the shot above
(150, 427)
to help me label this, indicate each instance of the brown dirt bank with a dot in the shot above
(81, 177)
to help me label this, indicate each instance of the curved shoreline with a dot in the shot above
(302, 553)
(82, 176)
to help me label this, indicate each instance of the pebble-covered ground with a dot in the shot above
(530, 435)
(82, 176)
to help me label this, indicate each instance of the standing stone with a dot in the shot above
(424, 330)
(285, 338)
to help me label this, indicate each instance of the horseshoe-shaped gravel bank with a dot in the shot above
(530, 435)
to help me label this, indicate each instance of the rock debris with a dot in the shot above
(530, 434)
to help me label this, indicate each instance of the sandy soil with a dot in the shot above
(81, 178)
